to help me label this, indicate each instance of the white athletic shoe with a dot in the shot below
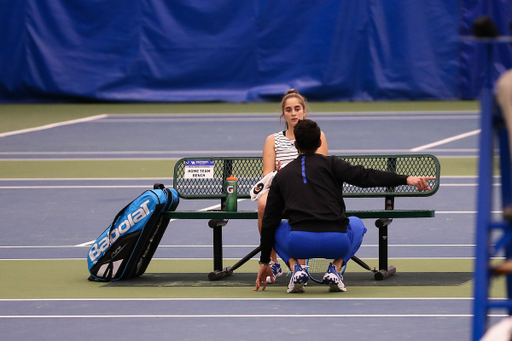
(298, 279)
(276, 271)
(334, 280)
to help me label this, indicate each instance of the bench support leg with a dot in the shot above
(385, 271)
(383, 247)
(217, 248)
(216, 225)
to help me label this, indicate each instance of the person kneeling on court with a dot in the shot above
(310, 192)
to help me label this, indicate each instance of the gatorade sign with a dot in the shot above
(199, 169)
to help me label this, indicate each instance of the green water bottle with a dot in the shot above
(231, 194)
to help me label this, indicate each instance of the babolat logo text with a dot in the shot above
(131, 219)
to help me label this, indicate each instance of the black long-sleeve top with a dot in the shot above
(310, 191)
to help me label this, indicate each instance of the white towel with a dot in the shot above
(262, 186)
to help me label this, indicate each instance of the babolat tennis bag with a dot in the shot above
(126, 247)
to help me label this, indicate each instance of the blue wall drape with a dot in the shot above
(242, 51)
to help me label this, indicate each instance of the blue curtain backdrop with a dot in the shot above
(243, 51)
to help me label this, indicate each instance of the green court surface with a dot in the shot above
(31, 279)
(462, 166)
(42, 169)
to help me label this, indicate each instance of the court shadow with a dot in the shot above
(248, 279)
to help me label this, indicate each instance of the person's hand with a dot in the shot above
(265, 271)
(278, 166)
(420, 182)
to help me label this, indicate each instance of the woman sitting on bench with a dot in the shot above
(279, 150)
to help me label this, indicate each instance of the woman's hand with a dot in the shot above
(261, 280)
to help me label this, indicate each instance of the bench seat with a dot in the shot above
(254, 214)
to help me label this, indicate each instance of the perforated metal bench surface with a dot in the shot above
(248, 171)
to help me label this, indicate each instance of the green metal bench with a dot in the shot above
(203, 178)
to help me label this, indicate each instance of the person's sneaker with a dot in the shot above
(298, 279)
(334, 279)
(276, 271)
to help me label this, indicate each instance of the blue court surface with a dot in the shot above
(56, 219)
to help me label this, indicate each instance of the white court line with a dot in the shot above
(99, 158)
(127, 152)
(179, 154)
(86, 179)
(208, 258)
(450, 139)
(465, 212)
(146, 186)
(318, 113)
(331, 298)
(53, 125)
(317, 118)
(202, 152)
(72, 187)
(461, 150)
(170, 178)
(37, 246)
(367, 245)
(364, 245)
(399, 115)
(185, 246)
(249, 316)
(464, 185)
(89, 243)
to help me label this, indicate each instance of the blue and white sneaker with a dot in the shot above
(334, 279)
(276, 271)
(298, 279)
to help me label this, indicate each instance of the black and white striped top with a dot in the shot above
(284, 148)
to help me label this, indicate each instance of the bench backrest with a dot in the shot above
(204, 177)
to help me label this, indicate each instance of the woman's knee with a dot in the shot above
(262, 203)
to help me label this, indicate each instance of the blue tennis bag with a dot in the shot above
(126, 247)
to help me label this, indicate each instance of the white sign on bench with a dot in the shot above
(199, 169)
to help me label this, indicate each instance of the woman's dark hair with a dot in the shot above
(292, 93)
(307, 135)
